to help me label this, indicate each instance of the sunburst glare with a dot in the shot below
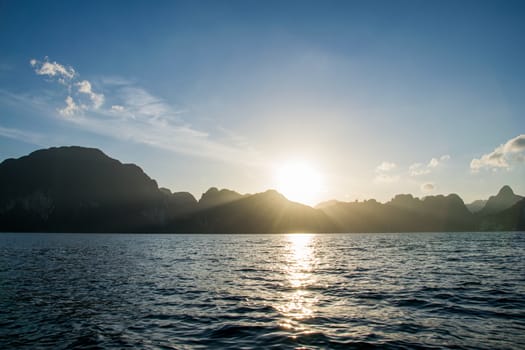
(299, 181)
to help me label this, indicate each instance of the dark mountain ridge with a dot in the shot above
(503, 200)
(77, 189)
(403, 213)
(267, 212)
(476, 205)
(214, 197)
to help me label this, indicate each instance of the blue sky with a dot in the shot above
(380, 97)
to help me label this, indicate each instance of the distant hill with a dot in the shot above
(503, 200)
(77, 189)
(179, 203)
(477, 205)
(214, 197)
(510, 219)
(265, 212)
(403, 213)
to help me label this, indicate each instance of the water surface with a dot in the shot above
(429, 290)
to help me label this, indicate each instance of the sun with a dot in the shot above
(299, 182)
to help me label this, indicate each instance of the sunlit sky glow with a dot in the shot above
(299, 181)
(374, 97)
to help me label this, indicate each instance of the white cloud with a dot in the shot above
(502, 156)
(433, 163)
(117, 108)
(138, 116)
(515, 145)
(494, 159)
(383, 173)
(428, 187)
(70, 109)
(67, 76)
(418, 169)
(52, 69)
(85, 87)
(386, 166)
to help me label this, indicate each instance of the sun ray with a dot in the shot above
(299, 181)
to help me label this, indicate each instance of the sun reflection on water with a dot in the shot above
(300, 259)
(298, 302)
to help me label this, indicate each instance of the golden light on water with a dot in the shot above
(299, 302)
(299, 273)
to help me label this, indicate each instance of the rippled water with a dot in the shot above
(457, 290)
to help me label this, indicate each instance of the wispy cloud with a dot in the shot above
(117, 108)
(386, 166)
(140, 104)
(21, 135)
(502, 157)
(136, 115)
(384, 173)
(418, 169)
(115, 81)
(389, 172)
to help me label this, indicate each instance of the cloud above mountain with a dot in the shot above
(502, 157)
(384, 173)
(85, 87)
(129, 112)
(67, 76)
(418, 169)
(70, 109)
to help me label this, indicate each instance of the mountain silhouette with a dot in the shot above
(403, 213)
(179, 203)
(214, 197)
(78, 189)
(476, 205)
(510, 219)
(267, 212)
(503, 200)
(75, 188)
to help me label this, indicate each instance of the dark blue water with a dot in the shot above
(442, 290)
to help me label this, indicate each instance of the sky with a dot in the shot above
(365, 98)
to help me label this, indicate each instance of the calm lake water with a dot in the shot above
(431, 290)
